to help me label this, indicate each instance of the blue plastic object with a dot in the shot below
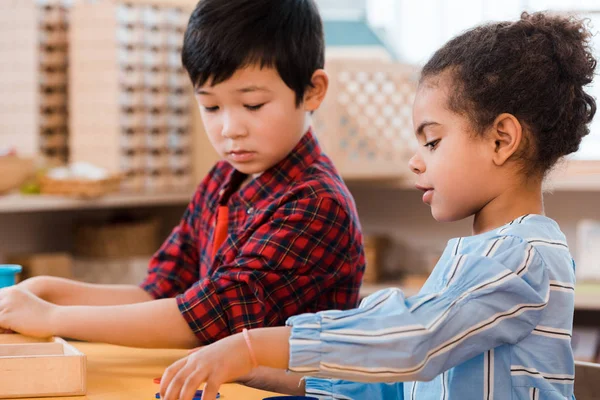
(291, 398)
(197, 396)
(8, 274)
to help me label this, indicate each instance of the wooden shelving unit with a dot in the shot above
(16, 203)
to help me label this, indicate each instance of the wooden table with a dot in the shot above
(123, 373)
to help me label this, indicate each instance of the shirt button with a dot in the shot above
(250, 210)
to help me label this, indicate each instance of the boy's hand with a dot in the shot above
(221, 362)
(36, 285)
(21, 311)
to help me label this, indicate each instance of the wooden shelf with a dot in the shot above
(17, 203)
(587, 295)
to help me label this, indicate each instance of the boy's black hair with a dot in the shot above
(535, 69)
(225, 35)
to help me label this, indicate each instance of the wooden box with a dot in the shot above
(125, 61)
(40, 368)
(53, 264)
(365, 121)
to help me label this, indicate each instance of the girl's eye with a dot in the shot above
(254, 108)
(211, 109)
(432, 145)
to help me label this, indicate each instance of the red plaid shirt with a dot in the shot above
(294, 245)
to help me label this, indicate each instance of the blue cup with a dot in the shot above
(8, 274)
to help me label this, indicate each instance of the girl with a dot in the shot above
(496, 108)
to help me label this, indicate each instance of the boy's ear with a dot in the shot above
(507, 135)
(314, 95)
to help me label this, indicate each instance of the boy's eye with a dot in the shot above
(211, 109)
(255, 107)
(432, 144)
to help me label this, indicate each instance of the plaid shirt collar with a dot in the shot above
(305, 153)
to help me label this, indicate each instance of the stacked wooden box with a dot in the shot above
(33, 78)
(131, 98)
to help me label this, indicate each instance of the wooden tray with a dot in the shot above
(40, 368)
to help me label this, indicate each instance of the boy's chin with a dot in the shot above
(248, 169)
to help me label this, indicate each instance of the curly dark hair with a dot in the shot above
(535, 69)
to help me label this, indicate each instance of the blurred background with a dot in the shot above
(101, 144)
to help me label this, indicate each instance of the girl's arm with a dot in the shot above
(485, 303)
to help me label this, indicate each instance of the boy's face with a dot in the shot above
(251, 118)
(453, 164)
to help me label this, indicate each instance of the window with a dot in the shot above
(416, 29)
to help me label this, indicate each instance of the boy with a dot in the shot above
(271, 232)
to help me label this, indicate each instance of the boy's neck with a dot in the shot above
(248, 179)
(512, 203)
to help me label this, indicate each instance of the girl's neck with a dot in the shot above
(512, 203)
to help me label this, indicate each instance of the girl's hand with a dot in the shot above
(22, 311)
(221, 362)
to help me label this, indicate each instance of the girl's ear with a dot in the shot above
(507, 135)
(314, 95)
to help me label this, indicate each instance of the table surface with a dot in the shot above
(123, 373)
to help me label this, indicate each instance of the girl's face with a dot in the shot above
(453, 164)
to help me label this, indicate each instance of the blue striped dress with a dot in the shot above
(493, 321)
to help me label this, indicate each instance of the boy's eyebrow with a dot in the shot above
(253, 88)
(247, 89)
(423, 125)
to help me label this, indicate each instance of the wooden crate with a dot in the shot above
(33, 71)
(131, 98)
(365, 122)
(53, 264)
(40, 368)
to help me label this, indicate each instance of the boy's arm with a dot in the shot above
(97, 312)
(156, 324)
(62, 291)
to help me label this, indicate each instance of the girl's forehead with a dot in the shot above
(430, 97)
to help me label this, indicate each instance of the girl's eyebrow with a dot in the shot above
(423, 125)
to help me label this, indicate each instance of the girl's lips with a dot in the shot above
(428, 196)
(427, 193)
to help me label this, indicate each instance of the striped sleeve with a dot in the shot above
(494, 295)
(327, 389)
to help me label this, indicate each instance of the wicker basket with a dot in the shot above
(83, 188)
(117, 240)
